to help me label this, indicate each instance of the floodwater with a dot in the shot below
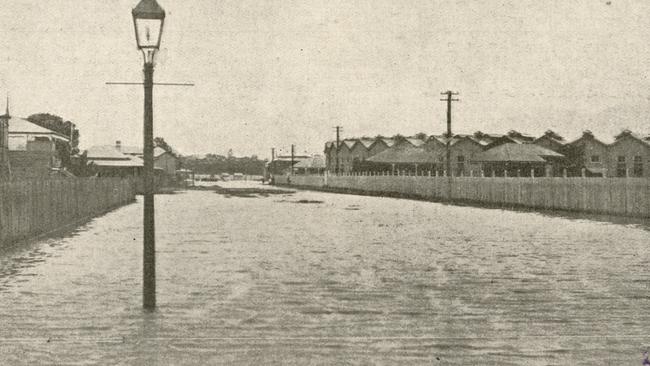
(318, 278)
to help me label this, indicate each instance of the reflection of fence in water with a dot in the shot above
(620, 196)
(33, 207)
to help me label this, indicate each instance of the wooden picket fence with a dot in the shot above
(615, 196)
(34, 207)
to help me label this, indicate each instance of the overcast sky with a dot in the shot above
(269, 73)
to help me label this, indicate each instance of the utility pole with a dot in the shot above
(338, 143)
(272, 154)
(71, 133)
(293, 151)
(449, 99)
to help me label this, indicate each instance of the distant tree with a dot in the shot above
(57, 124)
(216, 164)
(421, 136)
(161, 143)
(80, 166)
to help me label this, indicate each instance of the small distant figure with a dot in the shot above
(646, 362)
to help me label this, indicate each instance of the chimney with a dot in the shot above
(118, 145)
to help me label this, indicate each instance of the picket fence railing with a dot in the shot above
(617, 196)
(33, 207)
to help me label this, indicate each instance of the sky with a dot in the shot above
(271, 73)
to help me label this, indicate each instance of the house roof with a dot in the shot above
(456, 138)
(134, 150)
(349, 143)
(109, 156)
(405, 155)
(315, 162)
(130, 150)
(485, 138)
(129, 163)
(552, 136)
(388, 141)
(105, 152)
(23, 126)
(628, 133)
(587, 135)
(367, 142)
(415, 141)
(513, 152)
(518, 136)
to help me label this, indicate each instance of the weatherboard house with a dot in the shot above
(163, 160)
(27, 149)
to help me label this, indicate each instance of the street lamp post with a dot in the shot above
(148, 20)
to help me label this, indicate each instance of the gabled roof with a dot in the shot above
(405, 155)
(388, 141)
(349, 143)
(439, 139)
(23, 126)
(458, 138)
(513, 152)
(367, 142)
(587, 135)
(485, 138)
(158, 151)
(415, 141)
(518, 136)
(552, 136)
(628, 133)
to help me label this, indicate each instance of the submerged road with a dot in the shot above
(321, 278)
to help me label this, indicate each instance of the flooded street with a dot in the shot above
(322, 278)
